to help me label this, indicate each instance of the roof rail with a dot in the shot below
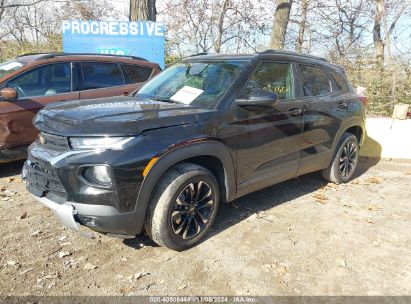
(281, 52)
(198, 54)
(30, 54)
(51, 55)
(98, 54)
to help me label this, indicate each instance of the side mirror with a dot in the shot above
(8, 94)
(259, 98)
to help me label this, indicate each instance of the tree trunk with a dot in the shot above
(378, 42)
(218, 42)
(281, 17)
(302, 24)
(144, 10)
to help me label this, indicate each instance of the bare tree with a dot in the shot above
(281, 17)
(143, 10)
(302, 26)
(378, 41)
(214, 25)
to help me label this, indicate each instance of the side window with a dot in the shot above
(46, 80)
(340, 82)
(274, 77)
(99, 75)
(135, 73)
(314, 80)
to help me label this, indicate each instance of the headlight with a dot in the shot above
(103, 143)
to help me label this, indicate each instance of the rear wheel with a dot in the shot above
(183, 207)
(345, 161)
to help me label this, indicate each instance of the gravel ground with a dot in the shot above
(300, 237)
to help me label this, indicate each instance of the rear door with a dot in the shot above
(35, 88)
(321, 118)
(106, 79)
(269, 138)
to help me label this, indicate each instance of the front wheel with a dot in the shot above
(183, 207)
(345, 161)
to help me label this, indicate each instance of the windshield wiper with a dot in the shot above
(164, 99)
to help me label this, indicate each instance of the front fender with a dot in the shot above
(175, 155)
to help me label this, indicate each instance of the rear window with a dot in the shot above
(136, 73)
(9, 67)
(101, 75)
(340, 82)
(314, 80)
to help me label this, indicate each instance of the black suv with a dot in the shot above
(207, 130)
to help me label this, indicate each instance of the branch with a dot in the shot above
(404, 6)
(21, 4)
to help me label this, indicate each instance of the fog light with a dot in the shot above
(88, 221)
(98, 175)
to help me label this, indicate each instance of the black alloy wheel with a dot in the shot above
(192, 210)
(348, 159)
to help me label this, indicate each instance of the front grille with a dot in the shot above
(54, 142)
(42, 179)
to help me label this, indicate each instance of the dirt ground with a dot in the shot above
(300, 237)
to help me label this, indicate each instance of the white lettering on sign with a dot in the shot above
(113, 28)
(186, 94)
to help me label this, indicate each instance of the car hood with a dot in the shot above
(116, 116)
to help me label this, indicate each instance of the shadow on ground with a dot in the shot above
(11, 169)
(233, 213)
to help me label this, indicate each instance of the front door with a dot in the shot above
(269, 137)
(35, 88)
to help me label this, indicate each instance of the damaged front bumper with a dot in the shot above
(72, 216)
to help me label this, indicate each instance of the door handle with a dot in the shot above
(295, 111)
(125, 93)
(343, 105)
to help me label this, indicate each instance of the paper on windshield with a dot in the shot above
(186, 95)
(11, 65)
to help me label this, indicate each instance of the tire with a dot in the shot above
(342, 167)
(173, 219)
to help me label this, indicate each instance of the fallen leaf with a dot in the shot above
(341, 262)
(183, 286)
(35, 233)
(25, 271)
(63, 254)
(89, 266)
(320, 196)
(139, 275)
(374, 180)
(374, 208)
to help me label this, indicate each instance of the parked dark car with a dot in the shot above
(205, 131)
(30, 82)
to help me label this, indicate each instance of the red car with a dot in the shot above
(30, 82)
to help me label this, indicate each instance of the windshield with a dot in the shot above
(9, 67)
(200, 84)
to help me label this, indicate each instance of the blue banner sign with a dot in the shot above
(140, 38)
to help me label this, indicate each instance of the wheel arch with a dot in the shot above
(211, 154)
(355, 126)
